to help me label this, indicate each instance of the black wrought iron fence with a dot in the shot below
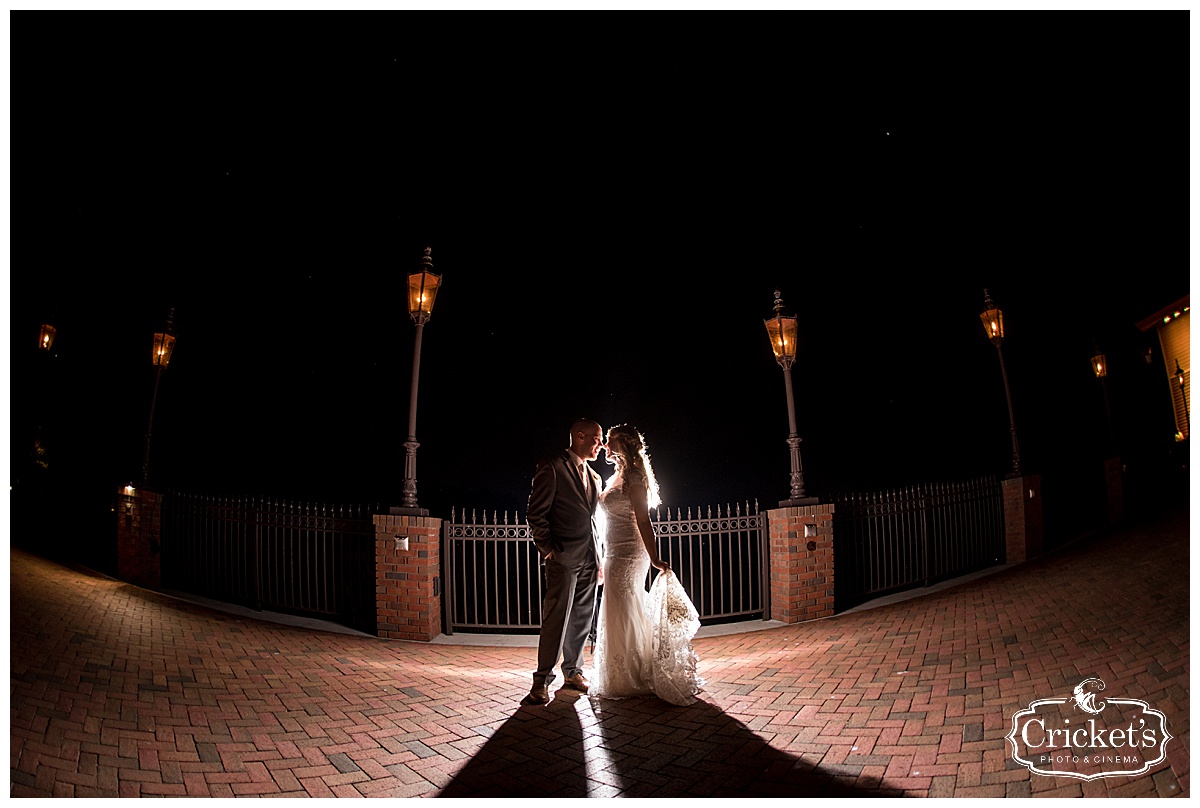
(721, 560)
(297, 558)
(493, 575)
(894, 540)
(495, 581)
(318, 560)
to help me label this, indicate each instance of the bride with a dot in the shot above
(643, 639)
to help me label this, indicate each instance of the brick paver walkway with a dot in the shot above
(119, 691)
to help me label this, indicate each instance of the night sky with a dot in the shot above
(612, 203)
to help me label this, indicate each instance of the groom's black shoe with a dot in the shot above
(538, 696)
(576, 682)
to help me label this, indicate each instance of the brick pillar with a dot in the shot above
(408, 586)
(1022, 517)
(139, 537)
(1115, 479)
(801, 558)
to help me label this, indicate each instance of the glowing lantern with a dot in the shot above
(46, 336)
(422, 290)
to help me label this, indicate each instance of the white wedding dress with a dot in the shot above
(643, 639)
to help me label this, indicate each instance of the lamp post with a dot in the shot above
(1100, 368)
(781, 329)
(993, 324)
(49, 397)
(1179, 377)
(423, 287)
(46, 336)
(160, 355)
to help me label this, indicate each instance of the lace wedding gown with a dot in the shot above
(643, 639)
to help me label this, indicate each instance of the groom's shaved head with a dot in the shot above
(587, 438)
(585, 425)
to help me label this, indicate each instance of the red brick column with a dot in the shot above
(139, 537)
(1023, 538)
(1115, 478)
(408, 601)
(801, 558)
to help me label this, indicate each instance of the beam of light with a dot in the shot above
(598, 761)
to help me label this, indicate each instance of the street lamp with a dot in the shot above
(993, 324)
(1100, 368)
(46, 336)
(1179, 377)
(423, 287)
(160, 355)
(782, 331)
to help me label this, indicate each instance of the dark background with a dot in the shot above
(612, 200)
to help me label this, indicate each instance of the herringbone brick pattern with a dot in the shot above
(119, 691)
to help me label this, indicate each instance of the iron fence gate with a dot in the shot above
(495, 580)
(721, 560)
(306, 559)
(895, 540)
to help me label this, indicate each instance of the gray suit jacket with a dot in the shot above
(561, 513)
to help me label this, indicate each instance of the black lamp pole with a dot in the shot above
(782, 330)
(164, 344)
(423, 286)
(993, 323)
(1100, 368)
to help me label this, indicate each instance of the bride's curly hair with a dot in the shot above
(631, 446)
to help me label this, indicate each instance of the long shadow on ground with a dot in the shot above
(585, 747)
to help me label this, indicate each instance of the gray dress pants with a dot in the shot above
(567, 613)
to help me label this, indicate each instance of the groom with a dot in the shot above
(562, 518)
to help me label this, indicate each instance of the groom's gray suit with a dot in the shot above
(562, 518)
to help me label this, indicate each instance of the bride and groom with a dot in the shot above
(643, 639)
